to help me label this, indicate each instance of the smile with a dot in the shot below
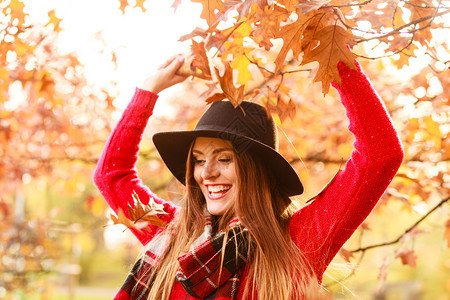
(216, 192)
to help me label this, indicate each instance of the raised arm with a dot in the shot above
(321, 228)
(116, 175)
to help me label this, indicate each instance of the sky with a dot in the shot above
(143, 40)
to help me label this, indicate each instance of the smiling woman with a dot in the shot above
(237, 235)
(215, 173)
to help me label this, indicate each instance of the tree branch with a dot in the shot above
(363, 249)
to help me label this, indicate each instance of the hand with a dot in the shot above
(166, 76)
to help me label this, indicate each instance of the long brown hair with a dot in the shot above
(265, 211)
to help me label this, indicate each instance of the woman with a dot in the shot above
(237, 234)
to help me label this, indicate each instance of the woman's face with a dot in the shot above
(215, 172)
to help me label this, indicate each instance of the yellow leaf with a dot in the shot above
(54, 20)
(241, 63)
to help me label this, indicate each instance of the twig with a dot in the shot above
(363, 249)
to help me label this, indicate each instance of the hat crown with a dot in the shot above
(248, 120)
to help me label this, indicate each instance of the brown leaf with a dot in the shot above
(197, 64)
(235, 95)
(331, 50)
(140, 216)
(284, 109)
(215, 98)
(407, 256)
(269, 25)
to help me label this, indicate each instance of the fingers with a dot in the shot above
(171, 60)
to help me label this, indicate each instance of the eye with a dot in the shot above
(226, 160)
(198, 161)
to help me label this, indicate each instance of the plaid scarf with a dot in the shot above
(202, 273)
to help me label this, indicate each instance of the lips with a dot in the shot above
(218, 191)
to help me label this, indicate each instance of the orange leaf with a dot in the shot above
(140, 4)
(407, 256)
(235, 95)
(447, 232)
(209, 10)
(215, 98)
(54, 20)
(346, 254)
(331, 50)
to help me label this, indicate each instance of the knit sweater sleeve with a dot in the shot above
(116, 176)
(322, 227)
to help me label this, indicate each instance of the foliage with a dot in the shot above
(282, 54)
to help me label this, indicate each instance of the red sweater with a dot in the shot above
(318, 229)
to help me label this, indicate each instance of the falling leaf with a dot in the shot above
(235, 95)
(331, 50)
(209, 10)
(407, 256)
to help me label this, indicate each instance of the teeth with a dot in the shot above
(218, 188)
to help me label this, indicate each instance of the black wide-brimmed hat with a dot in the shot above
(248, 127)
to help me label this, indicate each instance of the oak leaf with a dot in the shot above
(140, 215)
(269, 24)
(331, 50)
(197, 64)
(54, 20)
(209, 10)
(235, 95)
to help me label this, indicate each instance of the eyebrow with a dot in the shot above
(217, 150)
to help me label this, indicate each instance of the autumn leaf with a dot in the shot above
(331, 50)
(382, 273)
(54, 20)
(407, 256)
(235, 95)
(447, 233)
(346, 254)
(140, 215)
(123, 5)
(291, 35)
(284, 109)
(140, 4)
(197, 64)
(269, 24)
(209, 10)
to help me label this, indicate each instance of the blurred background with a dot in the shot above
(67, 71)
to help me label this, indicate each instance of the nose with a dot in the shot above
(210, 170)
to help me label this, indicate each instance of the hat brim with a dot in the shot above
(173, 148)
